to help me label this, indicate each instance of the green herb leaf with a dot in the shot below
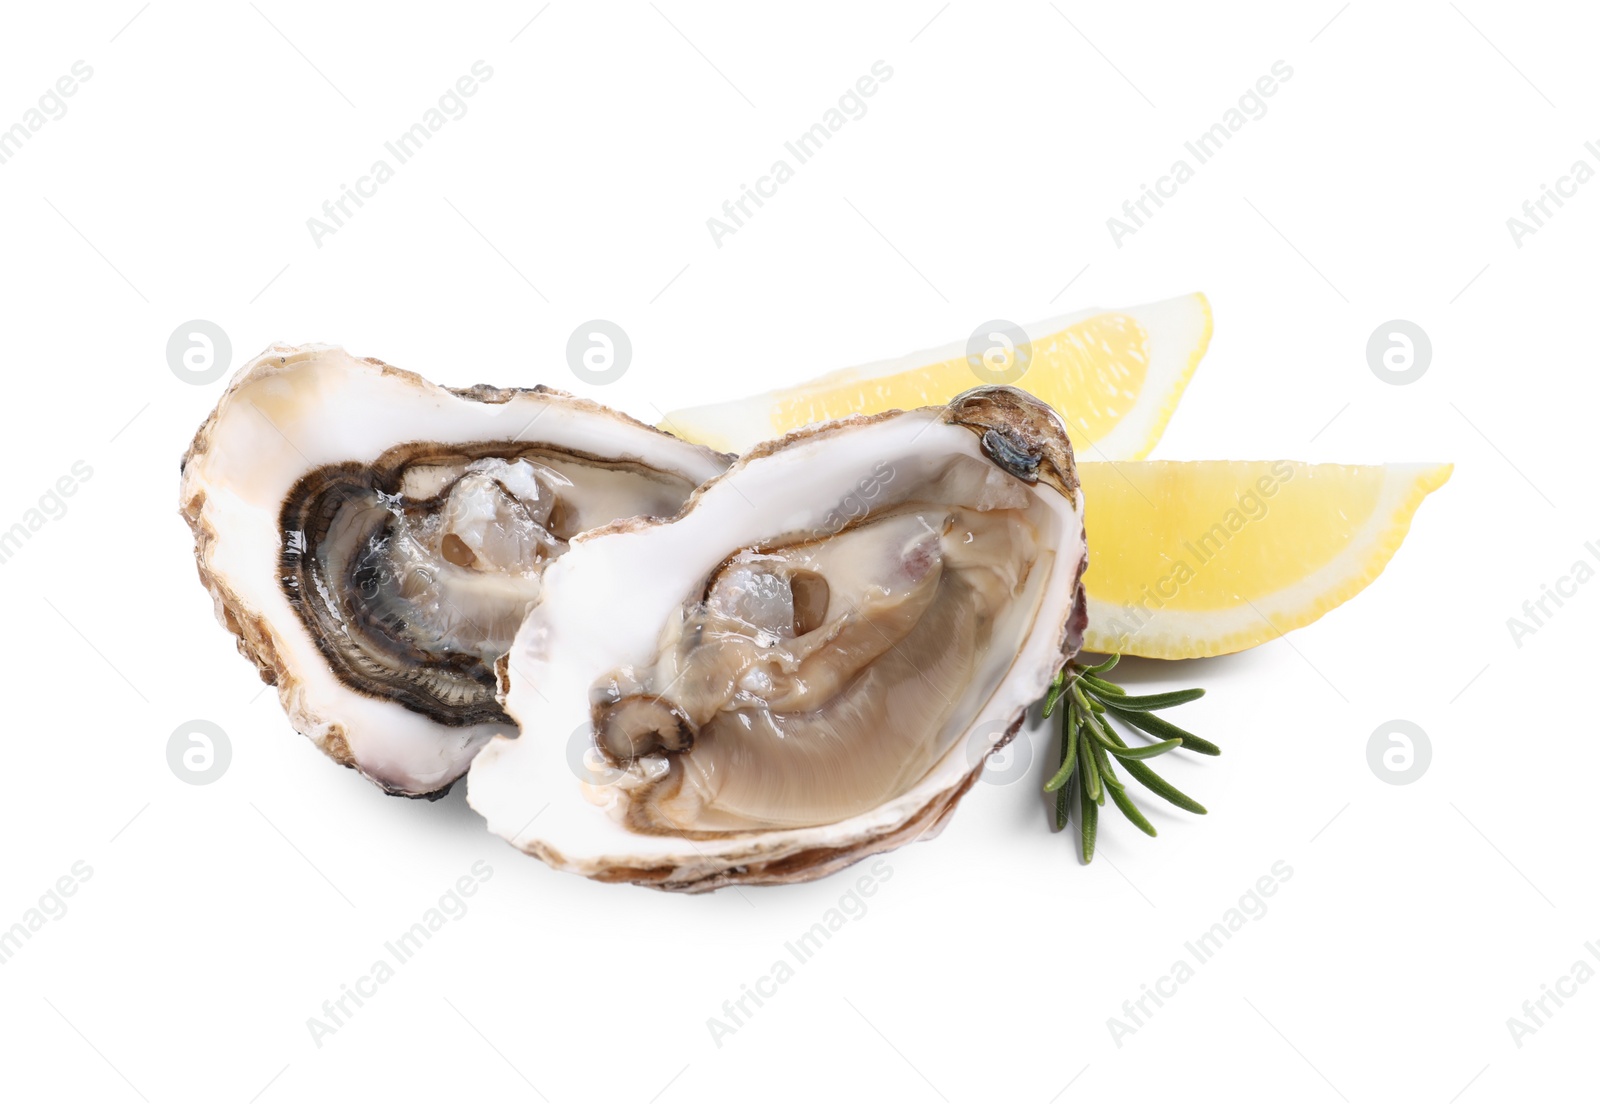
(1104, 667)
(1108, 776)
(1091, 772)
(1069, 753)
(1095, 724)
(1147, 776)
(1158, 702)
(1088, 811)
(1144, 753)
(1091, 748)
(1157, 727)
(1100, 685)
(1054, 694)
(1126, 805)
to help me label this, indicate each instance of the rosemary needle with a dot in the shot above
(1091, 746)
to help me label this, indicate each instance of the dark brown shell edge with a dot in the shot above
(1023, 426)
(1031, 428)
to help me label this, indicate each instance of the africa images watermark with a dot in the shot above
(1536, 212)
(850, 907)
(450, 907)
(860, 503)
(851, 105)
(1251, 907)
(51, 506)
(52, 105)
(1252, 105)
(1538, 611)
(451, 106)
(1537, 1012)
(1250, 506)
(51, 907)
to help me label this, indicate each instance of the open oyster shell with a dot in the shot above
(808, 666)
(374, 540)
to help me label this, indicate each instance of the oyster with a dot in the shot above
(808, 666)
(374, 540)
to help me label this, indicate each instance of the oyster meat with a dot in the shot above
(374, 540)
(808, 666)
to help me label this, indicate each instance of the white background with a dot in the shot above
(220, 918)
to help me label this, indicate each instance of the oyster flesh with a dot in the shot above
(374, 540)
(806, 667)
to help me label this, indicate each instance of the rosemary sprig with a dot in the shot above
(1090, 746)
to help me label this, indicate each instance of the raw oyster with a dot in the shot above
(806, 667)
(374, 540)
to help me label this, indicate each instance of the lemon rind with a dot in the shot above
(735, 425)
(1176, 389)
(1284, 610)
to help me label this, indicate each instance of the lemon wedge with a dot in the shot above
(1197, 558)
(1115, 375)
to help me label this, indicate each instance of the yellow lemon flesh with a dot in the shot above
(1197, 558)
(1116, 374)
